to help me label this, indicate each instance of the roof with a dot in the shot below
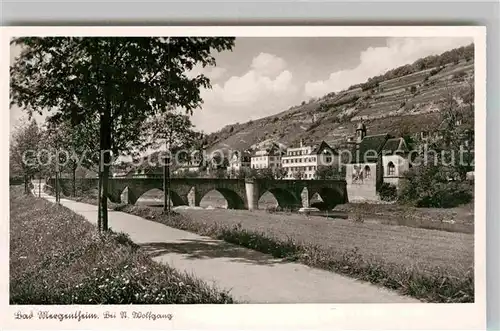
(373, 146)
(318, 149)
(395, 145)
(273, 149)
(369, 148)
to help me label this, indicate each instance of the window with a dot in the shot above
(367, 172)
(328, 159)
(391, 169)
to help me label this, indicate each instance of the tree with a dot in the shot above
(23, 152)
(457, 132)
(299, 174)
(175, 131)
(119, 82)
(329, 172)
(280, 173)
(76, 143)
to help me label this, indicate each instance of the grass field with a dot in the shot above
(409, 247)
(57, 257)
(459, 219)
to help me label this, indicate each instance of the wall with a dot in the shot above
(360, 187)
(401, 166)
(259, 161)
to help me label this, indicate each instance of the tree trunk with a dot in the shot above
(40, 186)
(57, 186)
(165, 186)
(26, 184)
(105, 142)
(99, 194)
(74, 180)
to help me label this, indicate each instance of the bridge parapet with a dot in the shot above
(239, 193)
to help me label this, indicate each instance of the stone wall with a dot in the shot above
(361, 183)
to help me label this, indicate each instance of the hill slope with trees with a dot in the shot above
(404, 100)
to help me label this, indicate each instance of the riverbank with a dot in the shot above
(57, 257)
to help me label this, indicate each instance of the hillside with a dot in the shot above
(404, 100)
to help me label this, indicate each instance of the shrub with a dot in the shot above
(388, 192)
(358, 218)
(429, 186)
(459, 76)
(435, 71)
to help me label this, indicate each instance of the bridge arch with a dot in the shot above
(330, 197)
(284, 197)
(132, 194)
(233, 199)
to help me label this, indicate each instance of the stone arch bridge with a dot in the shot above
(239, 193)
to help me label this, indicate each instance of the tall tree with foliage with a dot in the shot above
(23, 152)
(117, 81)
(174, 131)
(78, 141)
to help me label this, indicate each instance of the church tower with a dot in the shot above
(360, 132)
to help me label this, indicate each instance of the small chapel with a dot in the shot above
(374, 159)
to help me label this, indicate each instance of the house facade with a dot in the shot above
(302, 162)
(240, 161)
(375, 159)
(269, 157)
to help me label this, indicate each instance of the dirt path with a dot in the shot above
(251, 276)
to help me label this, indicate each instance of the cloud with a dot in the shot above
(377, 60)
(213, 73)
(216, 73)
(268, 64)
(266, 88)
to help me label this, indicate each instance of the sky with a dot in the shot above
(265, 76)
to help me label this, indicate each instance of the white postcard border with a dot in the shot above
(290, 316)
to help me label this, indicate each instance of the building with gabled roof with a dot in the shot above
(302, 162)
(267, 157)
(373, 160)
(240, 161)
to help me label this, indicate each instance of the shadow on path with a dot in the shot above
(209, 249)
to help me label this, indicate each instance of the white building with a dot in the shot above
(267, 158)
(303, 162)
(240, 161)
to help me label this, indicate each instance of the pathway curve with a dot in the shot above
(251, 276)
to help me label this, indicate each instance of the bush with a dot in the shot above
(435, 71)
(430, 187)
(388, 192)
(459, 76)
(358, 218)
